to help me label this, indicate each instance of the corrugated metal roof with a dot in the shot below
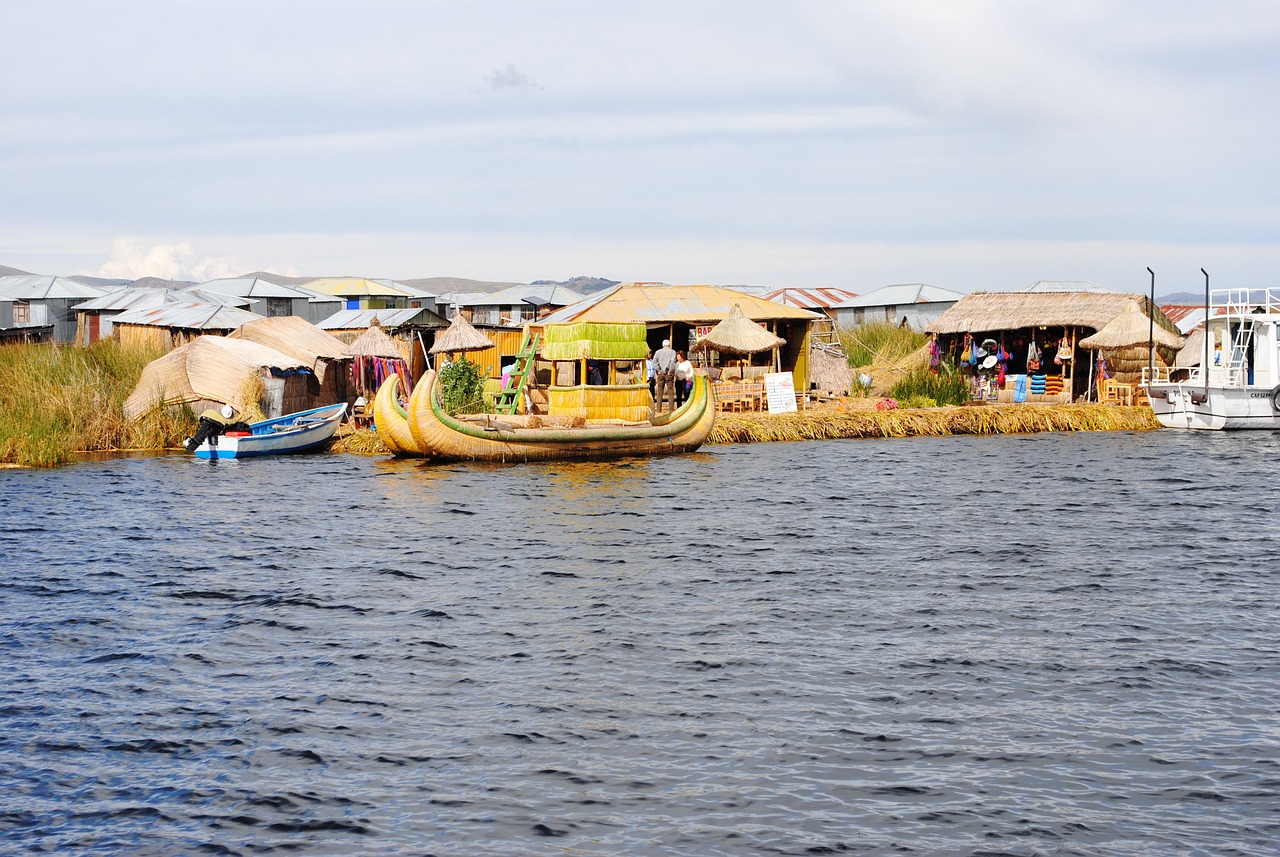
(515, 296)
(359, 287)
(188, 317)
(359, 319)
(903, 294)
(810, 298)
(1187, 318)
(129, 297)
(656, 302)
(250, 287)
(35, 287)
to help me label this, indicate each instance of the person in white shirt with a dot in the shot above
(684, 378)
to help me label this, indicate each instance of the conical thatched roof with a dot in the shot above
(740, 335)
(1131, 327)
(374, 342)
(460, 336)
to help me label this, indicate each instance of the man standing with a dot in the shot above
(664, 367)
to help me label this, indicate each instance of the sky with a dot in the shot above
(970, 144)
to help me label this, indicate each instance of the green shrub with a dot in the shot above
(462, 387)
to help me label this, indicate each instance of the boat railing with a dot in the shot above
(1171, 375)
(1239, 303)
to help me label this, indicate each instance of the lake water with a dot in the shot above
(1051, 644)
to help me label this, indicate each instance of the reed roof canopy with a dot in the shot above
(737, 334)
(460, 337)
(595, 341)
(212, 368)
(993, 311)
(296, 337)
(1131, 327)
(374, 342)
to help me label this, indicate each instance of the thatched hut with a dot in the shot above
(1125, 343)
(375, 356)
(685, 314)
(1054, 321)
(215, 370)
(460, 338)
(738, 335)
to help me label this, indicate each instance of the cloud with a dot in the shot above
(509, 77)
(131, 259)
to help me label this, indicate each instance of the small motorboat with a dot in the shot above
(305, 431)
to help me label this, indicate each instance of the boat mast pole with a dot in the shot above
(1151, 333)
(1205, 362)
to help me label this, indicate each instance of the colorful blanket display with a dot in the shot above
(368, 373)
(1037, 385)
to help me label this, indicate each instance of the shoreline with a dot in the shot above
(829, 424)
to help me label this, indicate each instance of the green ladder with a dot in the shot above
(508, 400)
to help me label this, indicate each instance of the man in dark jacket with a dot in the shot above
(664, 369)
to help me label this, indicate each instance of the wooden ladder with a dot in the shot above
(508, 400)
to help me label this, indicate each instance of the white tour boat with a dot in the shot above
(1237, 384)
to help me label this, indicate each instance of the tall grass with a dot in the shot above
(60, 400)
(880, 342)
(921, 388)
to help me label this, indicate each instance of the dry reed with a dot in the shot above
(930, 422)
(359, 441)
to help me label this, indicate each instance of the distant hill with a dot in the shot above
(449, 285)
(581, 285)
(157, 283)
(100, 282)
(278, 279)
(6, 271)
(1181, 299)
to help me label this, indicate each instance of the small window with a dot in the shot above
(21, 313)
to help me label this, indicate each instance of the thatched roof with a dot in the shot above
(374, 342)
(460, 336)
(212, 368)
(295, 337)
(739, 335)
(1131, 327)
(995, 311)
(1192, 352)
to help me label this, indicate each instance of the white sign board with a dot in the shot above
(780, 390)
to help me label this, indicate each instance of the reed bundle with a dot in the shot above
(359, 441)
(625, 403)
(589, 340)
(930, 422)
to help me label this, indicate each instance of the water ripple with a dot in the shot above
(1053, 644)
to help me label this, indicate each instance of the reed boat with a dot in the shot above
(304, 431)
(1237, 384)
(491, 437)
(392, 420)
